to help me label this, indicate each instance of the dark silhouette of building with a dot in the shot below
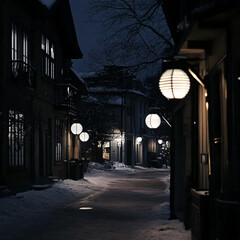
(40, 93)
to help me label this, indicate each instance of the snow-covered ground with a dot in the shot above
(21, 209)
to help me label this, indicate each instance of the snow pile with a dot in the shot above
(23, 207)
(168, 230)
(108, 165)
(122, 167)
(96, 166)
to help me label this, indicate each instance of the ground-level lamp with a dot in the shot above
(174, 84)
(84, 136)
(76, 129)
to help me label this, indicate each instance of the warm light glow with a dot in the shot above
(196, 77)
(207, 105)
(84, 136)
(76, 128)
(85, 208)
(174, 84)
(153, 120)
(139, 139)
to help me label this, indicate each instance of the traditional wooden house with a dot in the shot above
(39, 91)
(205, 174)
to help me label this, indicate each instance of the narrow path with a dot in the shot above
(130, 206)
(126, 209)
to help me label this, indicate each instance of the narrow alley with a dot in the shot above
(131, 205)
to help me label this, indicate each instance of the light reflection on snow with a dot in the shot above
(85, 208)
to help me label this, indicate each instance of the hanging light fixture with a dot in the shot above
(174, 84)
(153, 120)
(139, 139)
(84, 136)
(76, 128)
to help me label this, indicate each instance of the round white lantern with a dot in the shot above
(76, 128)
(153, 120)
(139, 139)
(160, 141)
(84, 136)
(174, 84)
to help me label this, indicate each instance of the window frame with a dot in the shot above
(59, 127)
(48, 57)
(14, 42)
(16, 139)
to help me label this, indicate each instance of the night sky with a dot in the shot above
(88, 33)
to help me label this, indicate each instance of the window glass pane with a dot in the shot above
(52, 51)
(59, 140)
(43, 43)
(47, 67)
(52, 70)
(14, 40)
(16, 138)
(48, 63)
(47, 46)
(25, 48)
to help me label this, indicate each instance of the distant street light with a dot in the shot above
(139, 139)
(153, 120)
(174, 84)
(76, 128)
(84, 136)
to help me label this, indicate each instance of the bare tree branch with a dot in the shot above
(136, 33)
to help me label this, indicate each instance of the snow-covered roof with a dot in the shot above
(90, 99)
(48, 3)
(112, 101)
(114, 90)
(87, 74)
(104, 90)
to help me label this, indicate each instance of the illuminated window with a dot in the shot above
(59, 140)
(20, 53)
(25, 49)
(16, 139)
(14, 42)
(48, 57)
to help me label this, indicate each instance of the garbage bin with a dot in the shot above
(76, 169)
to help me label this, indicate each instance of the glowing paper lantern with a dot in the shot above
(153, 120)
(139, 139)
(174, 84)
(76, 128)
(84, 136)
